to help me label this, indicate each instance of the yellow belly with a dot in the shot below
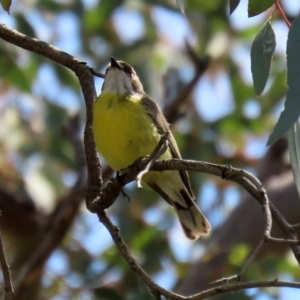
(123, 130)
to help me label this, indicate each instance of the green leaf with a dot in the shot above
(238, 254)
(23, 25)
(233, 4)
(291, 110)
(180, 4)
(255, 7)
(294, 150)
(6, 4)
(261, 57)
(11, 72)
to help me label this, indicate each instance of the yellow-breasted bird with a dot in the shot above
(127, 125)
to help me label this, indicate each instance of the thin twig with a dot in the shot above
(159, 150)
(124, 251)
(296, 226)
(261, 195)
(288, 230)
(248, 184)
(96, 73)
(241, 285)
(172, 111)
(8, 286)
(226, 279)
(282, 241)
(250, 259)
(281, 12)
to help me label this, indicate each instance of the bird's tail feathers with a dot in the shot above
(191, 218)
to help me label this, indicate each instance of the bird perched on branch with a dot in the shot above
(128, 125)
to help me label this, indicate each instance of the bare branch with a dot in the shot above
(282, 241)
(226, 279)
(98, 74)
(242, 285)
(124, 251)
(172, 111)
(250, 259)
(8, 286)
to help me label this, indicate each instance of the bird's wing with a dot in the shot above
(163, 126)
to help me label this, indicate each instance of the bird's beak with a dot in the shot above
(114, 64)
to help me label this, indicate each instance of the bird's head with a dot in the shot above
(121, 78)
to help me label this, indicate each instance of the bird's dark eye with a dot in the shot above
(128, 70)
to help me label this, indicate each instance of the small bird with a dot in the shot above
(128, 125)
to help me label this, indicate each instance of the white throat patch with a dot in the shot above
(116, 81)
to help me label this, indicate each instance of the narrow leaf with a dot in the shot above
(294, 150)
(262, 51)
(6, 4)
(180, 4)
(233, 4)
(255, 7)
(291, 110)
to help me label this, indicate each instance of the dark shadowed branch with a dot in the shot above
(8, 286)
(172, 111)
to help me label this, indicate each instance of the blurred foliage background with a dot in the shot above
(222, 121)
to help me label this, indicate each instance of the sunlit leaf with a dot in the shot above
(6, 4)
(233, 4)
(294, 150)
(261, 57)
(291, 110)
(180, 4)
(238, 254)
(255, 7)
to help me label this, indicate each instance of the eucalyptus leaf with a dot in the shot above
(262, 51)
(294, 151)
(180, 4)
(6, 4)
(233, 4)
(291, 110)
(256, 7)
